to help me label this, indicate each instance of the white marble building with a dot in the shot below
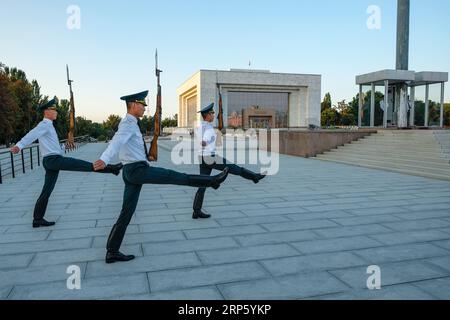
(252, 98)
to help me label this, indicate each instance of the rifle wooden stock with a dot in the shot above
(220, 120)
(153, 154)
(71, 135)
(70, 144)
(220, 115)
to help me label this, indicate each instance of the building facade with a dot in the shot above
(252, 98)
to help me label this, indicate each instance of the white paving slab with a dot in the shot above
(308, 232)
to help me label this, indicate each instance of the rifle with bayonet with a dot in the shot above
(220, 115)
(153, 154)
(70, 144)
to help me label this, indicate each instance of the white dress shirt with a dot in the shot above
(48, 139)
(206, 133)
(127, 142)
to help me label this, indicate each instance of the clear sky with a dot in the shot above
(112, 54)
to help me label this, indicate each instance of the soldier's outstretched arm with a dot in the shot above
(120, 138)
(31, 136)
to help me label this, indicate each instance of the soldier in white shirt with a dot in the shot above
(210, 161)
(53, 160)
(129, 144)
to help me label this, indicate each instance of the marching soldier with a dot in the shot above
(53, 160)
(209, 160)
(130, 145)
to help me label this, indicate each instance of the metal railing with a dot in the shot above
(79, 142)
(11, 164)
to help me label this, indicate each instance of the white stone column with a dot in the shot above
(372, 106)
(181, 115)
(442, 104)
(360, 106)
(185, 116)
(402, 121)
(412, 98)
(427, 104)
(386, 102)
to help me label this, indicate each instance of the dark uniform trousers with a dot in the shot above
(52, 165)
(208, 163)
(135, 175)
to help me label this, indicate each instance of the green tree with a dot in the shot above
(434, 113)
(83, 126)
(170, 122)
(146, 125)
(111, 125)
(329, 117)
(86, 127)
(62, 122)
(97, 130)
(326, 103)
(22, 93)
(36, 101)
(419, 113)
(447, 114)
(345, 112)
(26, 97)
(8, 110)
(354, 105)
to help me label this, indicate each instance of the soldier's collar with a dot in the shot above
(130, 116)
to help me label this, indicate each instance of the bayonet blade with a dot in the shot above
(69, 82)
(156, 61)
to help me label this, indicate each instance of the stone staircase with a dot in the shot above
(443, 138)
(424, 153)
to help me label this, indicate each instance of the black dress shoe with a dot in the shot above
(250, 175)
(114, 168)
(112, 257)
(258, 177)
(42, 223)
(200, 214)
(205, 181)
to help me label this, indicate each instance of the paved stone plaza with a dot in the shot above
(310, 232)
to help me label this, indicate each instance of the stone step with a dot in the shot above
(433, 142)
(410, 152)
(385, 164)
(397, 150)
(417, 163)
(406, 134)
(391, 156)
(408, 172)
(426, 149)
(392, 141)
(430, 148)
(423, 172)
(401, 138)
(421, 145)
(403, 152)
